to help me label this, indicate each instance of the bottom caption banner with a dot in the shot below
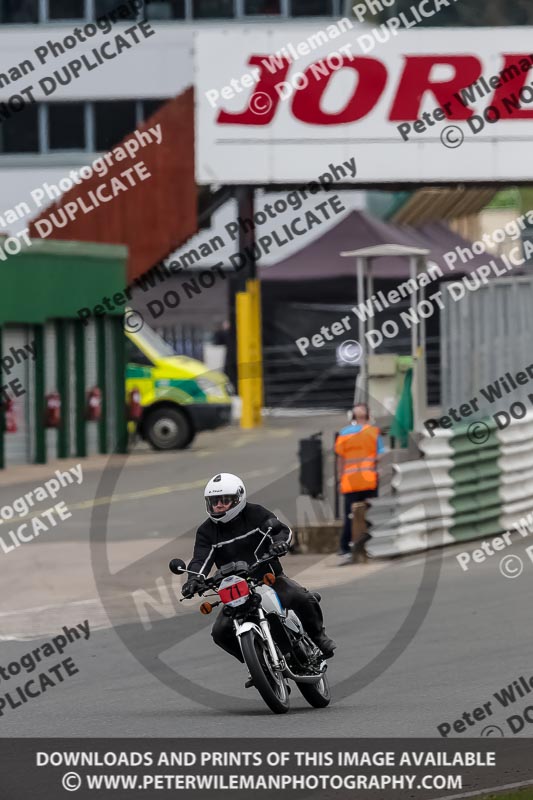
(301, 768)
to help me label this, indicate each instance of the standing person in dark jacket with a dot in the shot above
(228, 535)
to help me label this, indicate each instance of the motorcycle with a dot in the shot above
(273, 642)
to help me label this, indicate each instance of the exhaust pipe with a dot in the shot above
(303, 678)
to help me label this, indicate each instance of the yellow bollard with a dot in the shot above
(243, 309)
(249, 355)
(253, 287)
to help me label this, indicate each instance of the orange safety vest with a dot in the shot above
(359, 459)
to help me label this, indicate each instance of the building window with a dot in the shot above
(66, 126)
(497, 13)
(102, 7)
(74, 126)
(262, 7)
(113, 121)
(212, 9)
(66, 9)
(20, 133)
(311, 8)
(165, 9)
(19, 11)
(149, 107)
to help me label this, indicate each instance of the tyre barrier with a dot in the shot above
(460, 490)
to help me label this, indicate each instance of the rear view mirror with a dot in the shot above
(177, 566)
(273, 523)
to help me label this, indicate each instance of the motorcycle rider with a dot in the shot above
(228, 535)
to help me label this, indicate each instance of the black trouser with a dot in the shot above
(349, 498)
(292, 595)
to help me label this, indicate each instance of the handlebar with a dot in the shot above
(210, 583)
(178, 567)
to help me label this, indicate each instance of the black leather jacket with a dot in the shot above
(218, 542)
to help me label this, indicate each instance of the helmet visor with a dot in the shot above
(217, 505)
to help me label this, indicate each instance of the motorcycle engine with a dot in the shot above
(302, 653)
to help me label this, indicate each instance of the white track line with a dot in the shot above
(480, 793)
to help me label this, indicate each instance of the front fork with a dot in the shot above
(267, 636)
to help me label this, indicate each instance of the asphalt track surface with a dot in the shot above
(419, 640)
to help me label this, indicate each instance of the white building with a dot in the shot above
(72, 119)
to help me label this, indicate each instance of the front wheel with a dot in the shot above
(318, 694)
(270, 685)
(168, 428)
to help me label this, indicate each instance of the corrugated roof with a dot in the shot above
(431, 203)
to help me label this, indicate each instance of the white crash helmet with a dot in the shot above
(230, 488)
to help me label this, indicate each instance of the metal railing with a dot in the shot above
(314, 381)
(319, 380)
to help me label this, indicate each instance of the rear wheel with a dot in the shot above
(270, 684)
(168, 428)
(318, 694)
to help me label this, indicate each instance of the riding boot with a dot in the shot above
(324, 643)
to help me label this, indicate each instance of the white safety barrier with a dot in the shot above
(459, 491)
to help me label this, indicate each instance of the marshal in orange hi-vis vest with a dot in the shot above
(359, 459)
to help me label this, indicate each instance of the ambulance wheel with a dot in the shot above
(168, 428)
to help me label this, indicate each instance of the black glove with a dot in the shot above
(190, 588)
(279, 548)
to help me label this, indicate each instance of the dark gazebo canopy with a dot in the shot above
(321, 258)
